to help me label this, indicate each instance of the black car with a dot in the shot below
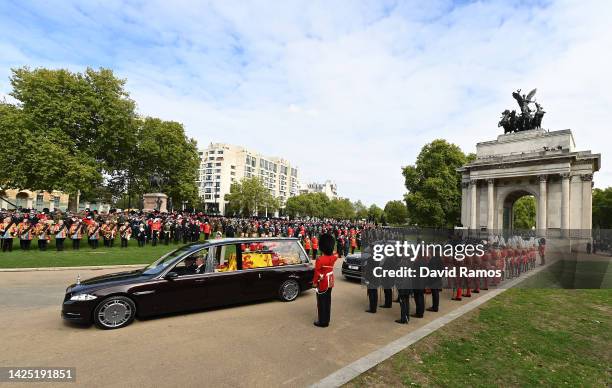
(352, 266)
(196, 276)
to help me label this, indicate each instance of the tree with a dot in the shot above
(36, 160)
(375, 213)
(163, 149)
(434, 185)
(307, 204)
(340, 209)
(361, 211)
(250, 196)
(396, 212)
(602, 208)
(76, 128)
(79, 132)
(524, 212)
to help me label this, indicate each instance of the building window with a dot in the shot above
(39, 200)
(56, 201)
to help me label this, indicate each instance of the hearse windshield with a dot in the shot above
(163, 262)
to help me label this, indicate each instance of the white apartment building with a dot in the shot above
(222, 164)
(329, 188)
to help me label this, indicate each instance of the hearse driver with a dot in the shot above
(195, 264)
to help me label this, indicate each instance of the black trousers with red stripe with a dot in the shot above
(324, 307)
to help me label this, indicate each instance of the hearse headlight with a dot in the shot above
(83, 297)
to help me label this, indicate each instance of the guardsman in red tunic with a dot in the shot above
(353, 244)
(307, 244)
(315, 247)
(468, 262)
(323, 280)
(458, 289)
(206, 230)
(542, 251)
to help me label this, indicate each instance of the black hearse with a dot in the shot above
(196, 276)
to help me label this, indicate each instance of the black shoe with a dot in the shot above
(432, 309)
(476, 291)
(317, 324)
(385, 307)
(417, 315)
(401, 321)
(457, 299)
(370, 311)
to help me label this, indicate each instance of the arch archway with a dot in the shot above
(509, 221)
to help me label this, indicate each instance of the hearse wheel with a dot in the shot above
(114, 312)
(289, 290)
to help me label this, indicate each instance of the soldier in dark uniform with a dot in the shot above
(403, 285)
(372, 282)
(418, 288)
(230, 231)
(435, 283)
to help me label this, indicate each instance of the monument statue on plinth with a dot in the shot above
(528, 119)
(156, 200)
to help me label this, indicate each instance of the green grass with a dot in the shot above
(524, 337)
(84, 256)
(572, 274)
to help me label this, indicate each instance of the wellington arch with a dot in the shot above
(537, 162)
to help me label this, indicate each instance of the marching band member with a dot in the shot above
(76, 234)
(25, 234)
(125, 231)
(9, 231)
(93, 234)
(42, 232)
(60, 231)
(107, 232)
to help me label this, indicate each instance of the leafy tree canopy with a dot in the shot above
(434, 185)
(74, 131)
(602, 208)
(249, 197)
(524, 212)
(396, 212)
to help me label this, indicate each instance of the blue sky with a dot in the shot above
(347, 90)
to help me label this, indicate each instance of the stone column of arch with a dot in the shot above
(490, 204)
(565, 203)
(473, 207)
(542, 206)
(587, 203)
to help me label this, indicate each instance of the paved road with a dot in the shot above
(263, 344)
